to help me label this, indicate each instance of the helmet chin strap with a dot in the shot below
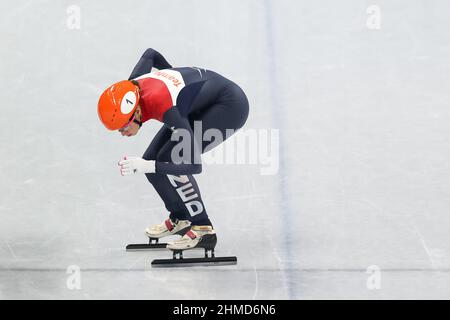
(138, 122)
(139, 113)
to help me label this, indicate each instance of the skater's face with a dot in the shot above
(132, 128)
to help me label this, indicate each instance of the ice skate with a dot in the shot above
(168, 228)
(198, 237)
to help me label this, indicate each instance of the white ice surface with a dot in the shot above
(364, 173)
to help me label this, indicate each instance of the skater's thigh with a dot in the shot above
(158, 142)
(209, 94)
(223, 117)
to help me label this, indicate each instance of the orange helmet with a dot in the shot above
(117, 104)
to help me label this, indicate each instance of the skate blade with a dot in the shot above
(192, 262)
(146, 246)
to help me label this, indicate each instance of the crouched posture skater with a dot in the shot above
(180, 98)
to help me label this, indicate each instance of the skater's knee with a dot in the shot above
(149, 155)
(164, 155)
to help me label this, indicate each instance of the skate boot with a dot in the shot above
(197, 237)
(168, 228)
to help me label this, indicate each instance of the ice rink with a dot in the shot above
(358, 208)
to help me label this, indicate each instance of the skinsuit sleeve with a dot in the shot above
(150, 59)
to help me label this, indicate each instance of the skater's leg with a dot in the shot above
(177, 224)
(230, 111)
(180, 194)
(159, 181)
(157, 143)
